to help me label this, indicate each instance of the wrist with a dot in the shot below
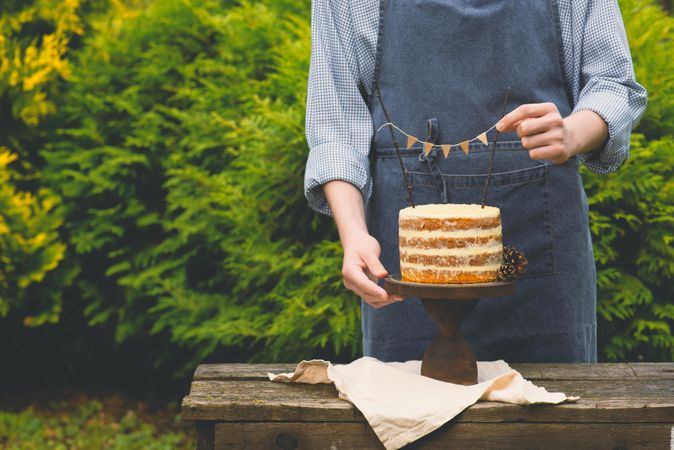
(586, 130)
(574, 143)
(346, 203)
(352, 236)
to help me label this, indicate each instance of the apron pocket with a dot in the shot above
(523, 197)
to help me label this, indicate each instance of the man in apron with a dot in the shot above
(443, 67)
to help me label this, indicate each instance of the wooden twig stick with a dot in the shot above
(406, 181)
(493, 151)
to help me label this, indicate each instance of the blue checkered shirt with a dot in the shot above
(596, 62)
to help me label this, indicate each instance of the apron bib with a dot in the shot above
(443, 68)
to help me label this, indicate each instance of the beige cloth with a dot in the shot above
(401, 405)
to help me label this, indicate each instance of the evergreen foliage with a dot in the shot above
(632, 210)
(180, 170)
(177, 151)
(29, 249)
(33, 44)
(34, 39)
(89, 424)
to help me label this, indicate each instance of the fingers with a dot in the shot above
(530, 110)
(550, 137)
(550, 152)
(356, 280)
(528, 127)
(362, 269)
(378, 304)
(374, 265)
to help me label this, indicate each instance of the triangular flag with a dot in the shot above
(445, 149)
(464, 146)
(427, 147)
(483, 138)
(411, 140)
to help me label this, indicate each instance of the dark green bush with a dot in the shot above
(177, 151)
(632, 210)
(87, 424)
(179, 161)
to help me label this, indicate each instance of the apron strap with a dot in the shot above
(432, 130)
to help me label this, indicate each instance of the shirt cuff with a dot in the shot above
(614, 110)
(332, 161)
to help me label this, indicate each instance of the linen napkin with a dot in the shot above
(401, 405)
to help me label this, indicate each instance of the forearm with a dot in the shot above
(587, 130)
(346, 203)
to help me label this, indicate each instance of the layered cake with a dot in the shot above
(450, 243)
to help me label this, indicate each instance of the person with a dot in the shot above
(443, 68)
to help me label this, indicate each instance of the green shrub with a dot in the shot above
(87, 425)
(650, 33)
(29, 249)
(632, 221)
(180, 168)
(632, 210)
(34, 42)
(177, 152)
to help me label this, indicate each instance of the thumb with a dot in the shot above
(374, 265)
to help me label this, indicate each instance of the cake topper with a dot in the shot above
(428, 146)
(406, 181)
(493, 151)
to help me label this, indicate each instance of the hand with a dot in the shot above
(361, 268)
(544, 133)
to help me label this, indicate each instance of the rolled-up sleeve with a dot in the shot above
(338, 123)
(607, 83)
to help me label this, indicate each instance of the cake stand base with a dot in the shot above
(449, 356)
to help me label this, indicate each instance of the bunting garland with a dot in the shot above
(446, 148)
(464, 146)
(428, 146)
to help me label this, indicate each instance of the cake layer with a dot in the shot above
(453, 261)
(475, 232)
(465, 223)
(449, 211)
(448, 276)
(449, 243)
(421, 242)
(462, 251)
(448, 217)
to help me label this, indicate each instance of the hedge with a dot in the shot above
(175, 149)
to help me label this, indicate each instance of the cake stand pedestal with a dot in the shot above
(448, 357)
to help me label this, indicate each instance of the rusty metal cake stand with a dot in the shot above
(448, 357)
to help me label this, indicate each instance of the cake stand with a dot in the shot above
(448, 357)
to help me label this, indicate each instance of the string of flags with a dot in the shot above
(428, 146)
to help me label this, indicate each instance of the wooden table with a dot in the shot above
(622, 406)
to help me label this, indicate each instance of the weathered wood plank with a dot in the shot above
(342, 436)
(205, 435)
(233, 371)
(268, 436)
(631, 401)
(653, 371)
(604, 371)
(271, 392)
(483, 412)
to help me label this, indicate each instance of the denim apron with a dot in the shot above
(443, 67)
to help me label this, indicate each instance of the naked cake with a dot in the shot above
(450, 243)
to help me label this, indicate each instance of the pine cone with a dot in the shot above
(521, 266)
(506, 273)
(514, 264)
